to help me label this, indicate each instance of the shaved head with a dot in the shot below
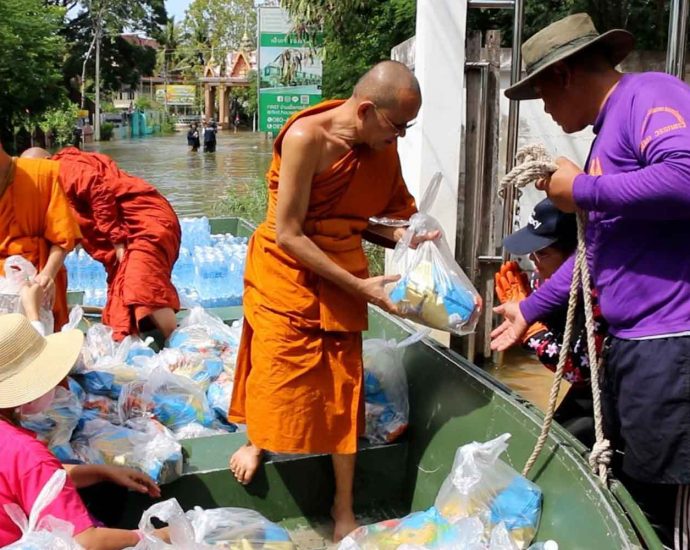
(388, 84)
(35, 153)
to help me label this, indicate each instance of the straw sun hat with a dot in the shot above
(31, 365)
(562, 39)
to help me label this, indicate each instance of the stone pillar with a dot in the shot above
(209, 100)
(222, 107)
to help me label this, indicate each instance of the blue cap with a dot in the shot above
(546, 225)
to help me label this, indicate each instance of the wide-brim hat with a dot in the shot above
(31, 365)
(562, 39)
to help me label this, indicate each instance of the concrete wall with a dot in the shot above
(437, 55)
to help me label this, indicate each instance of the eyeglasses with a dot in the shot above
(399, 129)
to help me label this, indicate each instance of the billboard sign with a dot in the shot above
(177, 94)
(289, 70)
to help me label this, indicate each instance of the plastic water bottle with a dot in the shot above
(71, 265)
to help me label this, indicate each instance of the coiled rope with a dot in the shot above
(532, 164)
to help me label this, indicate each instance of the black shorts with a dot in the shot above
(646, 407)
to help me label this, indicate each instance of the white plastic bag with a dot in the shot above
(433, 289)
(481, 484)
(19, 271)
(246, 528)
(173, 400)
(385, 388)
(55, 425)
(47, 532)
(201, 529)
(143, 444)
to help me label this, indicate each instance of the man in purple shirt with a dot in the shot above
(636, 189)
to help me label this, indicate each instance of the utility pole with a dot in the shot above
(97, 115)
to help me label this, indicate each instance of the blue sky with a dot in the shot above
(177, 8)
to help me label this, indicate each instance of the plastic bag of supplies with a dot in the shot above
(143, 444)
(173, 400)
(480, 484)
(433, 289)
(198, 529)
(385, 388)
(19, 271)
(55, 425)
(49, 532)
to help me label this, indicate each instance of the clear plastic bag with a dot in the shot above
(143, 444)
(226, 527)
(100, 406)
(232, 528)
(173, 400)
(219, 394)
(19, 271)
(419, 530)
(433, 289)
(47, 532)
(385, 388)
(481, 484)
(56, 424)
(199, 368)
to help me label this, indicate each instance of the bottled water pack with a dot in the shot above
(208, 272)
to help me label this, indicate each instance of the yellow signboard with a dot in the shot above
(177, 94)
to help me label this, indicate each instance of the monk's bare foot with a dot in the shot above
(245, 462)
(345, 522)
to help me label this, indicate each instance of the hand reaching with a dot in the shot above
(513, 328)
(132, 479)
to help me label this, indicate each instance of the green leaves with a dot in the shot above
(32, 52)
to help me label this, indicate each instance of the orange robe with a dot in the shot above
(111, 207)
(298, 383)
(34, 215)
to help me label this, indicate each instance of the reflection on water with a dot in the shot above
(195, 183)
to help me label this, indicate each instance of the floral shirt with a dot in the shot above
(547, 343)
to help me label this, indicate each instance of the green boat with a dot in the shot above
(452, 402)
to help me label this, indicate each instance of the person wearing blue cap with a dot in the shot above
(550, 238)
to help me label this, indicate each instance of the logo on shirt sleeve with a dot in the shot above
(671, 117)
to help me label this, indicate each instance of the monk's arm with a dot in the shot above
(56, 257)
(297, 170)
(383, 235)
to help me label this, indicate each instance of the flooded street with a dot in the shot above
(195, 183)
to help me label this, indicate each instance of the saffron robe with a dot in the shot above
(34, 215)
(112, 206)
(299, 378)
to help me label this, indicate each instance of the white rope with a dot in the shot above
(534, 163)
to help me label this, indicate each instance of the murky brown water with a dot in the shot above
(195, 183)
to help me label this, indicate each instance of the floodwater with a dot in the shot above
(196, 184)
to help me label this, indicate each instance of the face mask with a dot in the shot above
(38, 405)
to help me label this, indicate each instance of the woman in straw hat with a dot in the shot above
(31, 366)
(636, 188)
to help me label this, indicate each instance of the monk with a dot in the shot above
(130, 228)
(36, 223)
(298, 383)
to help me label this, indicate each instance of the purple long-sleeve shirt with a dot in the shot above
(637, 191)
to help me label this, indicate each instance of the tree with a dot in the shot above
(98, 19)
(219, 25)
(646, 19)
(31, 51)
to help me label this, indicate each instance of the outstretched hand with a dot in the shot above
(511, 331)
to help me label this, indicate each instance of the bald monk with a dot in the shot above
(298, 383)
(130, 228)
(36, 223)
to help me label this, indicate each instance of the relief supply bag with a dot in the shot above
(433, 289)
